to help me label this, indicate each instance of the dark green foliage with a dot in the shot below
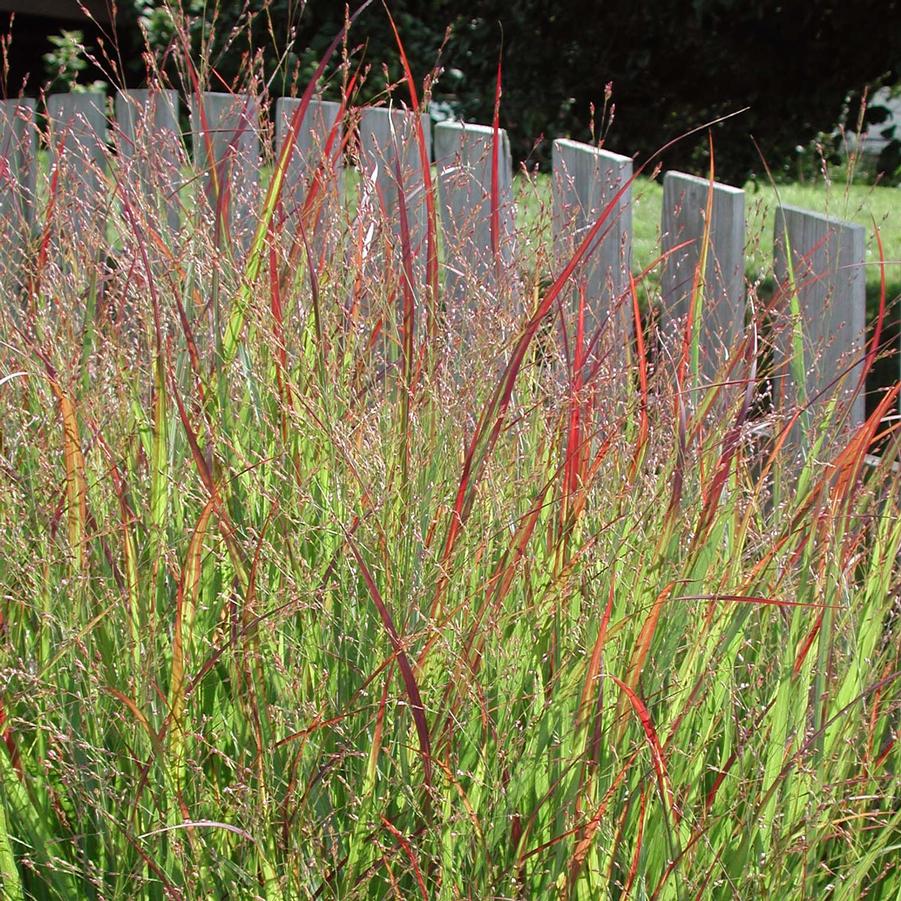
(673, 65)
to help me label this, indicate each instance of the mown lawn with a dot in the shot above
(870, 206)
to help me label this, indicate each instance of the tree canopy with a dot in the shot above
(651, 71)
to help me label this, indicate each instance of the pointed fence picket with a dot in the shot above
(78, 151)
(317, 159)
(476, 210)
(818, 261)
(225, 131)
(586, 180)
(150, 148)
(819, 264)
(718, 292)
(392, 176)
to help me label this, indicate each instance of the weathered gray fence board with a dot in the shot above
(313, 156)
(78, 132)
(388, 144)
(226, 141)
(586, 179)
(150, 146)
(473, 257)
(827, 255)
(722, 286)
(311, 147)
(827, 266)
(18, 143)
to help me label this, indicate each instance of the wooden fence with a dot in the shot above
(818, 261)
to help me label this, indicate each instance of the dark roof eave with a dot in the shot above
(70, 10)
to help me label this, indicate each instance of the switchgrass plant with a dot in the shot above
(311, 589)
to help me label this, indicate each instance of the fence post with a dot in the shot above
(18, 143)
(720, 300)
(388, 143)
(226, 139)
(827, 278)
(475, 258)
(317, 151)
(585, 180)
(78, 130)
(150, 147)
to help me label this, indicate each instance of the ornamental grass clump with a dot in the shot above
(310, 590)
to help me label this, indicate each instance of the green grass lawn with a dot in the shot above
(867, 205)
(870, 206)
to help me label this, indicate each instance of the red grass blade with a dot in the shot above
(416, 707)
(431, 215)
(657, 756)
(408, 851)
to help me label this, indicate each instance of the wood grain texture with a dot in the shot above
(150, 148)
(827, 263)
(586, 181)
(721, 296)
(464, 159)
(78, 134)
(227, 154)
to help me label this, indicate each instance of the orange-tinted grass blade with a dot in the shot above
(225, 526)
(657, 756)
(281, 353)
(852, 457)
(129, 552)
(636, 854)
(182, 635)
(140, 717)
(500, 580)
(497, 587)
(725, 769)
(377, 736)
(408, 851)
(6, 734)
(641, 650)
(412, 689)
(76, 482)
(467, 804)
(731, 443)
(644, 424)
(318, 723)
(876, 708)
(594, 664)
(806, 645)
(588, 830)
(880, 760)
